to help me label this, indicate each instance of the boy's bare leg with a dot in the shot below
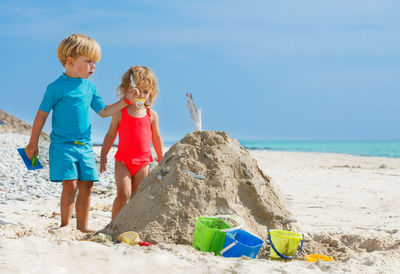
(67, 201)
(85, 189)
(123, 182)
(139, 176)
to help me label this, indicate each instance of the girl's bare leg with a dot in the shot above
(123, 182)
(139, 176)
(85, 189)
(67, 201)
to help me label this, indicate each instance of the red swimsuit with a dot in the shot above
(134, 141)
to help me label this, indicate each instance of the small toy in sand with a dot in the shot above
(139, 102)
(143, 243)
(313, 258)
(131, 238)
(101, 237)
(30, 164)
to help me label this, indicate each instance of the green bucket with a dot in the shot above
(284, 244)
(209, 234)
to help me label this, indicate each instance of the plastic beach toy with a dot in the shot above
(100, 238)
(139, 102)
(240, 243)
(284, 244)
(143, 243)
(210, 232)
(30, 164)
(129, 237)
(312, 258)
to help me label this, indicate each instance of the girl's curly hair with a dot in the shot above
(139, 75)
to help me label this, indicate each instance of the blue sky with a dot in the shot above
(260, 70)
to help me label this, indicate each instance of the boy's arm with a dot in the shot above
(156, 136)
(37, 127)
(114, 108)
(109, 141)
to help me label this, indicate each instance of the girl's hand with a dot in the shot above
(103, 164)
(30, 150)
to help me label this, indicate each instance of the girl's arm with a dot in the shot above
(109, 141)
(37, 127)
(156, 136)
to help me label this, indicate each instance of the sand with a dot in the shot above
(347, 206)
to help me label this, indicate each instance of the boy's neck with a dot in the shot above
(70, 74)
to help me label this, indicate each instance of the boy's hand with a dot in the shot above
(131, 94)
(103, 164)
(30, 150)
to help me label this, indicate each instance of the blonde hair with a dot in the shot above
(139, 75)
(77, 45)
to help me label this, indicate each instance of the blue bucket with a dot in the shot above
(239, 243)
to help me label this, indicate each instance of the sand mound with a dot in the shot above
(344, 246)
(11, 124)
(206, 173)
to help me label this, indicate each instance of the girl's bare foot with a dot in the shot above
(86, 230)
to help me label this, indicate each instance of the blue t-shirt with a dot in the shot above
(71, 100)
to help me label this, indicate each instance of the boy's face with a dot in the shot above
(81, 67)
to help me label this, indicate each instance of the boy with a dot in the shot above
(71, 156)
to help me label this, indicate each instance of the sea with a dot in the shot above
(389, 149)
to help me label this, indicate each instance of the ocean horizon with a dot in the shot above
(390, 149)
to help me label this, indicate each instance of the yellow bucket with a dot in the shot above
(284, 244)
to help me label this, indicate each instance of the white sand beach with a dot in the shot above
(350, 205)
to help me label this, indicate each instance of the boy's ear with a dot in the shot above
(69, 60)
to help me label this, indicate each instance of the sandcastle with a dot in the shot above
(204, 174)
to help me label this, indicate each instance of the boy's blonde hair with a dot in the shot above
(77, 45)
(139, 75)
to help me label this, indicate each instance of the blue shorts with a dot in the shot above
(71, 161)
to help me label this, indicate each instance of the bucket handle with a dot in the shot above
(228, 247)
(234, 217)
(281, 255)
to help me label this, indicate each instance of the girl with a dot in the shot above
(137, 126)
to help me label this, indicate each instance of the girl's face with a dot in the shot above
(144, 91)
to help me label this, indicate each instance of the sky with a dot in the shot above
(260, 70)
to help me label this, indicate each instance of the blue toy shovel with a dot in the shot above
(30, 164)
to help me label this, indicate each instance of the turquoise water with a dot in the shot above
(363, 148)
